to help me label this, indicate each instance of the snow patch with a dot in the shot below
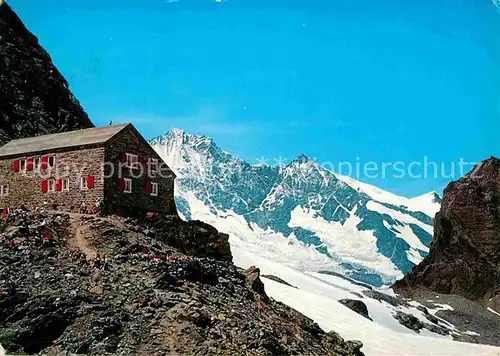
(425, 203)
(494, 312)
(403, 232)
(348, 243)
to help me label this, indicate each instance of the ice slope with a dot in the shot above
(377, 340)
(317, 295)
(313, 218)
(428, 203)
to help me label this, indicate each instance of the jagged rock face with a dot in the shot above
(34, 96)
(195, 239)
(464, 256)
(254, 281)
(119, 286)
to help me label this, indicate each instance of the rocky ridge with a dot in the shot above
(464, 257)
(157, 285)
(34, 96)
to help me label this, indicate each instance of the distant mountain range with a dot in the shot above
(302, 214)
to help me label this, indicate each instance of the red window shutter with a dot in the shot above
(45, 186)
(148, 188)
(122, 185)
(44, 162)
(59, 185)
(16, 166)
(29, 163)
(123, 157)
(90, 182)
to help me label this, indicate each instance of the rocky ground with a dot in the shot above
(448, 315)
(478, 325)
(158, 285)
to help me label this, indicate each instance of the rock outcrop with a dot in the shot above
(464, 256)
(86, 285)
(34, 96)
(356, 305)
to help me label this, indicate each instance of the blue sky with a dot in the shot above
(341, 81)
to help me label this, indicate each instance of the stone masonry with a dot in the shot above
(101, 163)
(25, 188)
(121, 203)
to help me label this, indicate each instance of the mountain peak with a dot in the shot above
(180, 133)
(431, 197)
(182, 137)
(176, 132)
(302, 158)
(436, 197)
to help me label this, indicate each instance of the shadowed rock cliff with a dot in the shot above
(464, 256)
(34, 96)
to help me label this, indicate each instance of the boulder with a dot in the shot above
(255, 283)
(381, 297)
(356, 305)
(409, 321)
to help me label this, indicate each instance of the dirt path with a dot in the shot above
(81, 236)
(80, 243)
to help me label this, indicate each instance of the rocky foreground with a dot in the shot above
(34, 96)
(158, 285)
(464, 257)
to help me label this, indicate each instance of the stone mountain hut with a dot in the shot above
(73, 170)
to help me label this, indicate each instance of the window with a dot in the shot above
(51, 185)
(36, 162)
(84, 185)
(23, 165)
(48, 161)
(51, 161)
(4, 190)
(65, 184)
(87, 182)
(131, 160)
(153, 165)
(154, 189)
(127, 188)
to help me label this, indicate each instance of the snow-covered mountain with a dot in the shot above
(301, 215)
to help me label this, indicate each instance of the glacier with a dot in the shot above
(302, 214)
